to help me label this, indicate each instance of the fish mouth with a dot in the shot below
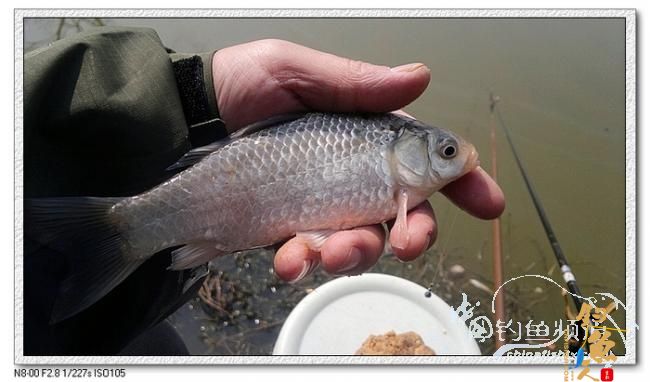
(472, 160)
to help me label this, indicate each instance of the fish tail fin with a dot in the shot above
(84, 230)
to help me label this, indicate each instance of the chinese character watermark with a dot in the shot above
(590, 332)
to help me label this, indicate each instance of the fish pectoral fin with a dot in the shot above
(315, 239)
(193, 255)
(399, 235)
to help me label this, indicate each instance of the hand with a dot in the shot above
(260, 79)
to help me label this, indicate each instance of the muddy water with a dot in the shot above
(562, 90)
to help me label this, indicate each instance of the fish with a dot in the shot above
(307, 175)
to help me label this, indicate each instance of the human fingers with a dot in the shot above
(345, 252)
(477, 193)
(353, 251)
(327, 82)
(294, 260)
(256, 80)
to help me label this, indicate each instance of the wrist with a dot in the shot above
(196, 89)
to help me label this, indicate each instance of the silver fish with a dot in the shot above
(308, 175)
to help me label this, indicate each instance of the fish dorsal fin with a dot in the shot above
(194, 156)
(265, 124)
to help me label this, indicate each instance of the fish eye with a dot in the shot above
(448, 150)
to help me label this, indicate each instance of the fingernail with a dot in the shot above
(408, 68)
(353, 260)
(307, 267)
(427, 243)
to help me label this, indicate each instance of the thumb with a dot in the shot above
(326, 82)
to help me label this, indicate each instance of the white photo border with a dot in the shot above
(630, 183)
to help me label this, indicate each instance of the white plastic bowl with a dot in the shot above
(337, 317)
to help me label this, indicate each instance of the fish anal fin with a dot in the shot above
(193, 255)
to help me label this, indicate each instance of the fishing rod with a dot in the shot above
(497, 259)
(567, 274)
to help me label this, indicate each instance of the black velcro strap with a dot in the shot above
(203, 127)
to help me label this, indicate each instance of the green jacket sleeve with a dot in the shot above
(102, 114)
